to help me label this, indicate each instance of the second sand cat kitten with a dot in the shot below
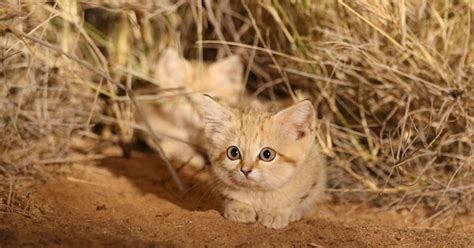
(268, 161)
(176, 119)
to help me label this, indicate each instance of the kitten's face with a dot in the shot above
(221, 79)
(258, 150)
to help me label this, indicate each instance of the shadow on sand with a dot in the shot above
(149, 174)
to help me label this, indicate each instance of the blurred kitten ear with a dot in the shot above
(298, 120)
(228, 70)
(171, 67)
(214, 113)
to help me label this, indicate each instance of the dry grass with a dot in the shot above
(392, 82)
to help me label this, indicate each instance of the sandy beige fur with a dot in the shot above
(273, 193)
(177, 121)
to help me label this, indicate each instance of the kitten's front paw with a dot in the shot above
(240, 212)
(295, 216)
(275, 220)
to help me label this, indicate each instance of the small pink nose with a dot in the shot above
(246, 172)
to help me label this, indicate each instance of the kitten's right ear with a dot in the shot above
(298, 120)
(214, 113)
(171, 68)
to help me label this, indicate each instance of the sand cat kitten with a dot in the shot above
(175, 117)
(268, 161)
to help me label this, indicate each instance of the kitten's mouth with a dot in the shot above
(244, 182)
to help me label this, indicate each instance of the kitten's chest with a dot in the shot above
(264, 200)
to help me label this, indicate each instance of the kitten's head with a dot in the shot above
(258, 150)
(221, 79)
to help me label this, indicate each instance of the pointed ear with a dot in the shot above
(214, 113)
(298, 120)
(171, 68)
(229, 70)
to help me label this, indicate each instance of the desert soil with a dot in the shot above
(131, 202)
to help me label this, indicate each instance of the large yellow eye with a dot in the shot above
(233, 153)
(267, 154)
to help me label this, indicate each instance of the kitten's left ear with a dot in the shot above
(228, 70)
(214, 113)
(298, 120)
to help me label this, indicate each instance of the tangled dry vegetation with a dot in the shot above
(392, 82)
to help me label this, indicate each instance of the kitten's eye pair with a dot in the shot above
(266, 154)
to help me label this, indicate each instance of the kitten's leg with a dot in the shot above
(239, 211)
(278, 218)
(296, 215)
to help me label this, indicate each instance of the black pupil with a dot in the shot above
(234, 152)
(267, 154)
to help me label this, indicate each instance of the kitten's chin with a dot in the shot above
(240, 183)
(253, 184)
(237, 181)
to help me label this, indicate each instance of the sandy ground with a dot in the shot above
(131, 203)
